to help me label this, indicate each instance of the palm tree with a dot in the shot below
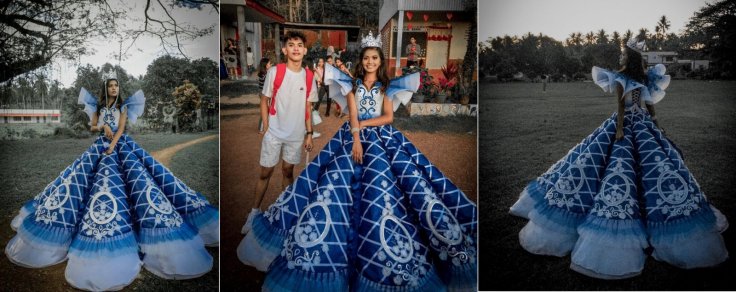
(602, 38)
(616, 39)
(662, 26)
(627, 35)
(643, 34)
(589, 38)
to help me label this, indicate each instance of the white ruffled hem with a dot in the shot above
(104, 273)
(721, 221)
(18, 220)
(28, 255)
(177, 260)
(543, 241)
(210, 233)
(249, 221)
(523, 206)
(593, 259)
(697, 251)
(251, 253)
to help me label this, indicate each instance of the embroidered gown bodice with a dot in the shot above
(368, 101)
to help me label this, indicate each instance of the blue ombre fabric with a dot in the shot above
(607, 200)
(111, 214)
(392, 223)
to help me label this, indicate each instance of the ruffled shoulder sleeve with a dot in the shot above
(401, 88)
(657, 83)
(340, 84)
(89, 101)
(608, 80)
(135, 105)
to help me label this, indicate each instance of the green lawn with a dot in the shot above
(29, 165)
(523, 131)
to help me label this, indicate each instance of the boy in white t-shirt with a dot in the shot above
(287, 124)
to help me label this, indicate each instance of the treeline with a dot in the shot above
(709, 35)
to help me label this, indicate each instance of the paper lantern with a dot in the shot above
(449, 15)
(409, 15)
(409, 26)
(426, 17)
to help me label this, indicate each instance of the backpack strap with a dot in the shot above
(280, 73)
(310, 81)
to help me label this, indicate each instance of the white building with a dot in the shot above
(660, 57)
(38, 116)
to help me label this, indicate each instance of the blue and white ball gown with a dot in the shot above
(394, 223)
(110, 214)
(607, 201)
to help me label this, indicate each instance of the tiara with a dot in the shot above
(369, 41)
(111, 74)
(635, 45)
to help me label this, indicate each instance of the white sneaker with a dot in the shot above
(249, 222)
(316, 134)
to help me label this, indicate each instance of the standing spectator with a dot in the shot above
(413, 50)
(249, 59)
(231, 59)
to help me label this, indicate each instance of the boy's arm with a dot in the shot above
(264, 113)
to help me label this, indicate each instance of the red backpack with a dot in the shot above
(280, 73)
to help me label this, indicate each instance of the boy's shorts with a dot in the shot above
(271, 148)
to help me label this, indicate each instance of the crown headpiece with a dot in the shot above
(109, 74)
(369, 41)
(636, 45)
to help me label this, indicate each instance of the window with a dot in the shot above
(26, 119)
(17, 119)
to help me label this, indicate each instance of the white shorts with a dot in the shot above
(271, 148)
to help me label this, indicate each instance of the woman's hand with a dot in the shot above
(357, 152)
(108, 131)
(111, 148)
(619, 134)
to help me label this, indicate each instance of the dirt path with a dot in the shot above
(164, 155)
(453, 153)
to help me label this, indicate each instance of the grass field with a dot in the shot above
(523, 131)
(29, 164)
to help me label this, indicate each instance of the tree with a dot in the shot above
(165, 73)
(601, 37)
(711, 34)
(627, 35)
(470, 57)
(187, 99)
(616, 39)
(35, 32)
(590, 38)
(643, 34)
(661, 31)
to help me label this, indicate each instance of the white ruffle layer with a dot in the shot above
(537, 239)
(18, 220)
(523, 206)
(251, 253)
(596, 259)
(102, 273)
(210, 233)
(34, 255)
(178, 259)
(696, 251)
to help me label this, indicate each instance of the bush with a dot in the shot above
(66, 132)
(29, 133)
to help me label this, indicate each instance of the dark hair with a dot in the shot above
(102, 103)
(359, 72)
(294, 34)
(262, 66)
(634, 67)
(328, 58)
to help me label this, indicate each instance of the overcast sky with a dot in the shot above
(146, 49)
(559, 18)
